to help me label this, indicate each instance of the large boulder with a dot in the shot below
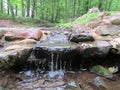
(7, 59)
(94, 49)
(94, 10)
(111, 30)
(23, 34)
(115, 20)
(81, 34)
(14, 54)
(82, 38)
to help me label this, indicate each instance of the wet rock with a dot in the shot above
(56, 49)
(1, 44)
(115, 20)
(28, 73)
(1, 88)
(115, 43)
(102, 31)
(105, 23)
(56, 74)
(23, 34)
(2, 32)
(111, 30)
(24, 42)
(58, 53)
(7, 59)
(72, 84)
(93, 24)
(56, 46)
(100, 70)
(45, 32)
(82, 38)
(94, 49)
(98, 84)
(45, 36)
(15, 47)
(11, 56)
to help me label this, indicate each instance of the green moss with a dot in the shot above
(83, 19)
(87, 17)
(101, 70)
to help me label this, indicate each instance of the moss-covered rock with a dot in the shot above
(100, 70)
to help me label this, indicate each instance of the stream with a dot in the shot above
(54, 64)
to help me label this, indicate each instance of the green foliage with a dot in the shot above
(29, 22)
(56, 10)
(81, 20)
(87, 17)
(5, 16)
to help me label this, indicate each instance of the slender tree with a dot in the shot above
(16, 10)
(33, 9)
(1, 6)
(28, 8)
(23, 8)
(8, 7)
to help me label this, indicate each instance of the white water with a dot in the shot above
(52, 62)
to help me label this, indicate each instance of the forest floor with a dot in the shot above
(83, 79)
(10, 23)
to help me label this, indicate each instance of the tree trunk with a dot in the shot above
(23, 8)
(16, 9)
(100, 4)
(1, 6)
(12, 11)
(33, 9)
(86, 6)
(8, 7)
(36, 9)
(110, 3)
(74, 9)
(57, 12)
(28, 8)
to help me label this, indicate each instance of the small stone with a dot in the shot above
(72, 84)
(98, 84)
(113, 69)
(54, 74)
(28, 73)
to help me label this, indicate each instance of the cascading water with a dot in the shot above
(58, 52)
